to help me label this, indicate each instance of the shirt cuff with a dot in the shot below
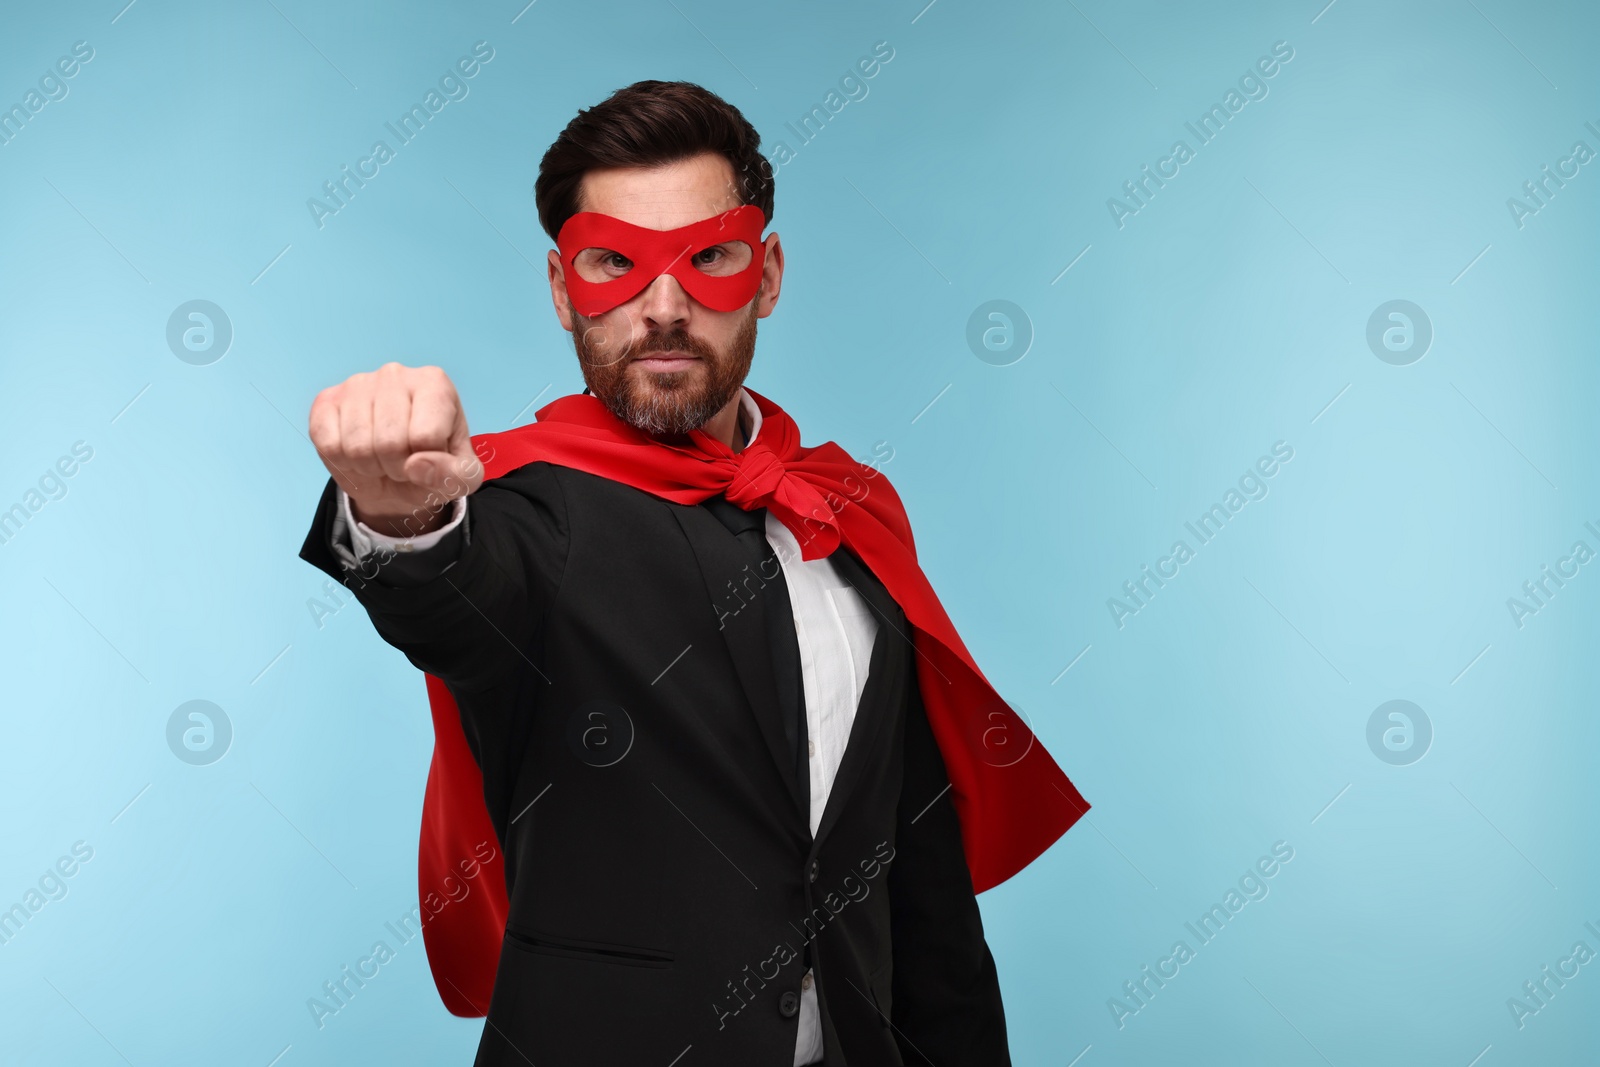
(364, 540)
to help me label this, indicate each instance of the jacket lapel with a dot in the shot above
(723, 562)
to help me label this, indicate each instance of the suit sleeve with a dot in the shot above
(946, 1005)
(469, 609)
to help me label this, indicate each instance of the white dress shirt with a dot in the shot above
(835, 629)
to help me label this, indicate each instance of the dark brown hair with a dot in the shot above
(644, 125)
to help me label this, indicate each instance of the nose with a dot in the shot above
(664, 304)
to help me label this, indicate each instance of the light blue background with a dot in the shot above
(1230, 713)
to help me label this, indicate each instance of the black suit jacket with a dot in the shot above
(665, 890)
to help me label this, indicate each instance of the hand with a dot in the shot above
(395, 439)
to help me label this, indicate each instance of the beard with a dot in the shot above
(667, 402)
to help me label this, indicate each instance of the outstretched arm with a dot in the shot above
(465, 608)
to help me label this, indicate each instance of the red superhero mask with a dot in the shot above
(726, 284)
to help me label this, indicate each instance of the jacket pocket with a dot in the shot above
(594, 951)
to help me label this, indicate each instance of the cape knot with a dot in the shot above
(756, 477)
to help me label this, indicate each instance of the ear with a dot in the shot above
(558, 291)
(771, 275)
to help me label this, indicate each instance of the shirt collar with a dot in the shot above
(752, 415)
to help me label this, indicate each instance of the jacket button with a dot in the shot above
(812, 874)
(788, 1004)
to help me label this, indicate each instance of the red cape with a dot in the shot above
(1012, 799)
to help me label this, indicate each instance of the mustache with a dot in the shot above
(676, 340)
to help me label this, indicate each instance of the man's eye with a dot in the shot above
(616, 261)
(708, 256)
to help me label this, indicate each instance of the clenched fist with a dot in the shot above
(396, 440)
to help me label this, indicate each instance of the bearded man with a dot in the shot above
(717, 775)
